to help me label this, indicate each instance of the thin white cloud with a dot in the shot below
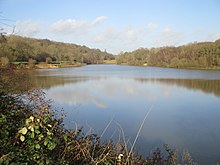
(68, 26)
(75, 27)
(109, 34)
(123, 39)
(113, 34)
(212, 36)
(116, 39)
(130, 34)
(151, 26)
(27, 28)
(168, 37)
(167, 29)
(99, 20)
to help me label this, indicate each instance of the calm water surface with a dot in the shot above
(185, 105)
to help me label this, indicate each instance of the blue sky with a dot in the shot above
(115, 25)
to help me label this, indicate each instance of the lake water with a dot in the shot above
(184, 105)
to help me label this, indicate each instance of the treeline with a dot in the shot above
(20, 49)
(195, 55)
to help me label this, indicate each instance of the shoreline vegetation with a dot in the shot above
(32, 132)
(43, 53)
(44, 65)
(108, 62)
(201, 55)
(29, 51)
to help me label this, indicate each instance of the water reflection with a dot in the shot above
(185, 111)
(208, 86)
(48, 81)
(78, 93)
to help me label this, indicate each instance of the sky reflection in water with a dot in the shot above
(185, 112)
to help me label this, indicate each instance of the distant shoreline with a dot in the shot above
(190, 68)
(51, 66)
(25, 65)
(109, 62)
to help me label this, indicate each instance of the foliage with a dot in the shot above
(4, 61)
(195, 55)
(21, 49)
(13, 80)
(12, 113)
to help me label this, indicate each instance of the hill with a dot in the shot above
(21, 49)
(194, 55)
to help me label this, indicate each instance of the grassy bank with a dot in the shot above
(69, 64)
(190, 68)
(43, 65)
(109, 61)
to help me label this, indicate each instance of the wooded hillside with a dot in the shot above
(21, 49)
(194, 55)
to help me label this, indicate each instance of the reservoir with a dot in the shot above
(182, 105)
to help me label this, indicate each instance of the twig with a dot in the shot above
(101, 137)
(123, 136)
(138, 133)
(89, 132)
(106, 127)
